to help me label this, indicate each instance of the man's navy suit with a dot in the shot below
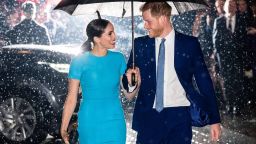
(189, 64)
(231, 55)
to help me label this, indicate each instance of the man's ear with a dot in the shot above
(163, 19)
(160, 19)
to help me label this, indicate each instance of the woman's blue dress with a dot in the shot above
(100, 117)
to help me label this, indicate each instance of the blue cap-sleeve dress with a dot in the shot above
(100, 117)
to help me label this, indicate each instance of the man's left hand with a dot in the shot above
(215, 132)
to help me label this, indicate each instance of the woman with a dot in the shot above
(99, 71)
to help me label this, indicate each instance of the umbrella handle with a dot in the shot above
(133, 79)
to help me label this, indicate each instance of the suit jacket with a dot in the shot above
(223, 37)
(28, 32)
(229, 46)
(189, 64)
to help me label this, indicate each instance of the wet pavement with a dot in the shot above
(235, 130)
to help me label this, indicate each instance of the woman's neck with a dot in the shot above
(99, 51)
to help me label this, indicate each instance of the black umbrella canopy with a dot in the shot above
(72, 6)
(109, 8)
(75, 2)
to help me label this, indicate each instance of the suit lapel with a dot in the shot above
(176, 49)
(150, 48)
(152, 57)
(152, 52)
(151, 68)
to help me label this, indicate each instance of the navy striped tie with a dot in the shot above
(160, 77)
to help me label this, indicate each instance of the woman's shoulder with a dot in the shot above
(115, 53)
(80, 57)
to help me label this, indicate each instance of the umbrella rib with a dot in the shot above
(124, 11)
(175, 4)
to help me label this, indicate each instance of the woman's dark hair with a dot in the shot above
(94, 29)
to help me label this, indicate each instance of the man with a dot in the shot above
(161, 113)
(242, 6)
(219, 4)
(9, 17)
(229, 40)
(244, 11)
(28, 31)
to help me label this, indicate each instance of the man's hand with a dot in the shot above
(137, 76)
(215, 132)
(251, 31)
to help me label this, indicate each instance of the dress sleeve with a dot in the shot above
(75, 69)
(123, 65)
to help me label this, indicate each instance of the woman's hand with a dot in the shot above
(65, 136)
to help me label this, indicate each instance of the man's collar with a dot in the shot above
(228, 16)
(169, 36)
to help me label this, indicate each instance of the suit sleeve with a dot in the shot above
(45, 39)
(10, 37)
(214, 33)
(217, 34)
(129, 65)
(123, 65)
(204, 84)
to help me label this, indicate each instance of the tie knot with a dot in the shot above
(162, 40)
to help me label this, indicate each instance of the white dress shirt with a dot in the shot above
(174, 93)
(233, 22)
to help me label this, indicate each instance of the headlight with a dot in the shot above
(63, 68)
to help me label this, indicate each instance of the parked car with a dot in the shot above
(33, 88)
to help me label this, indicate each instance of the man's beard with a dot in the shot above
(156, 33)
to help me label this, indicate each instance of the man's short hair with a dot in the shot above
(157, 8)
(29, 7)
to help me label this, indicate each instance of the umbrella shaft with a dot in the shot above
(132, 14)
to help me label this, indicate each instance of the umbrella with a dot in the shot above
(121, 8)
(117, 7)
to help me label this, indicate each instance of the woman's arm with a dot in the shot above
(69, 107)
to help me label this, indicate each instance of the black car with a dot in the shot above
(33, 88)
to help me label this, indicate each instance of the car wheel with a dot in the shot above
(19, 122)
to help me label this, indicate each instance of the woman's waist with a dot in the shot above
(100, 94)
(102, 106)
(100, 98)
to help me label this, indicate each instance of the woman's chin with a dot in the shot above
(111, 47)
